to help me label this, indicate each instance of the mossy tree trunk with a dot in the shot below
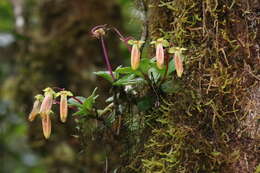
(211, 122)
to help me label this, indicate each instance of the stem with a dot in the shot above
(78, 100)
(106, 57)
(122, 38)
(118, 33)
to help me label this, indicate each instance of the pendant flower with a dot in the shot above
(178, 64)
(45, 111)
(47, 101)
(159, 44)
(159, 55)
(135, 53)
(177, 51)
(46, 125)
(64, 104)
(36, 107)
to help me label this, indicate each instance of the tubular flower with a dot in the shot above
(159, 44)
(47, 101)
(63, 104)
(135, 57)
(159, 55)
(36, 107)
(46, 125)
(135, 53)
(178, 63)
(45, 111)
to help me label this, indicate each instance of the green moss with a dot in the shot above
(198, 129)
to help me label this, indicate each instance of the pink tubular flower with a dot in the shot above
(63, 108)
(47, 101)
(63, 104)
(36, 107)
(159, 55)
(178, 64)
(46, 125)
(135, 57)
(45, 111)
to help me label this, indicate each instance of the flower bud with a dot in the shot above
(99, 32)
(178, 64)
(159, 55)
(36, 107)
(135, 57)
(46, 125)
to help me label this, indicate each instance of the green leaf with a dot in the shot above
(105, 74)
(88, 103)
(144, 65)
(171, 67)
(128, 70)
(126, 80)
(154, 74)
(81, 112)
(73, 102)
(124, 70)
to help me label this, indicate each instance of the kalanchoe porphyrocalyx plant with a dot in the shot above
(153, 73)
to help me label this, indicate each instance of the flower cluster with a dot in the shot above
(43, 106)
(160, 45)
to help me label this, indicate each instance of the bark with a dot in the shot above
(211, 123)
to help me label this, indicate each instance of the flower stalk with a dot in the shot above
(99, 32)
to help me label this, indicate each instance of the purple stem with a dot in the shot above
(124, 39)
(106, 57)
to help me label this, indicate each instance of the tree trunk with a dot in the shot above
(211, 122)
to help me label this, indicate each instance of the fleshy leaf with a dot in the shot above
(73, 102)
(105, 74)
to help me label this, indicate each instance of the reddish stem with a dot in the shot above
(106, 57)
(78, 100)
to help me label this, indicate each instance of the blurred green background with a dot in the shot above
(47, 43)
